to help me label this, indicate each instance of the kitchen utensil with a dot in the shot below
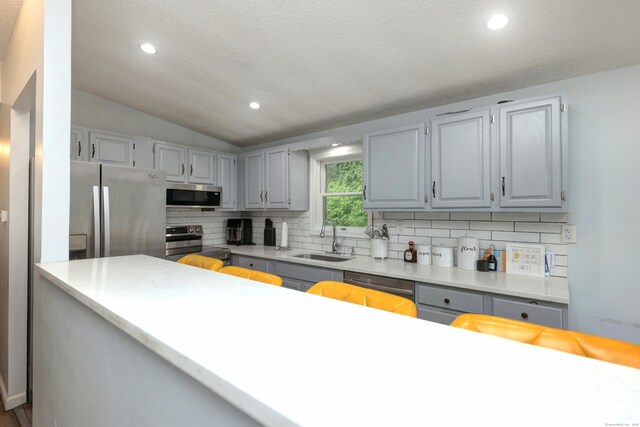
(385, 232)
(376, 234)
(369, 231)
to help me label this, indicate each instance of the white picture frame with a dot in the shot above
(525, 259)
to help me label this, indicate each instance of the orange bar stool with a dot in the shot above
(363, 296)
(201, 261)
(256, 275)
(595, 347)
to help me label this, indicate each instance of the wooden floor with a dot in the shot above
(19, 417)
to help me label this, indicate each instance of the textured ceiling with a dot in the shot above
(319, 64)
(8, 13)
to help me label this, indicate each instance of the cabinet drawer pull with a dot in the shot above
(446, 301)
(524, 315)
(364, 193)
(183, 169)
(533, 303)
(190, 170)
(93, 151)
(79, 148)
(261, 199)
(503, 185)
(433, 189)
(265, 196)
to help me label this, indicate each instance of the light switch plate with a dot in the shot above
(569, 233)
(4, 216)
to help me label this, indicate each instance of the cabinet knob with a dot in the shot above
(524, 315)
(250, 265)
(446, 301)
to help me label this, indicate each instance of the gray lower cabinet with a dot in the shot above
(442, 304)
(294, 276)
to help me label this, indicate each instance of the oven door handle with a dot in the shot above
(381, 288)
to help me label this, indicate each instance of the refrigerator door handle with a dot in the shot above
(96, 221)
(106, 223)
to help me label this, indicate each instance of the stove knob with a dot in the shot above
(198, 229)
(190, 229)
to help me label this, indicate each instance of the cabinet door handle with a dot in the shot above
(364, 193)
(93, 151)
(79, 148)
(446, 301)
(433, 189)
(261, 200)
(265, 196)
(183, 169)
(190, 170)
(524, 315)
(503, 185)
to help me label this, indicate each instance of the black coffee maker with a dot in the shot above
(239, 231)
(269, 233)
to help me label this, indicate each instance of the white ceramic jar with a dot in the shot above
(442, 256)
(468, 252)
(424, 254)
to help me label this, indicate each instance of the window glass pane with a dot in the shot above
(346, 211)
(343, 177)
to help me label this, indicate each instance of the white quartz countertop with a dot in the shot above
(293, 359)
(554, 289)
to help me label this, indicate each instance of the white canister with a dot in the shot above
(379, 248)
(468, 252)
(442, 256)
(424, 254)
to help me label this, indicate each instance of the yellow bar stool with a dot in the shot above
(363, 296)
(592, 346)
(201, 261)
(258, 276)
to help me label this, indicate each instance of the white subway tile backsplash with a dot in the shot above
(553, 217)
(516, 237)
(515, 216)
(430, 228)
(478, 216)
(540, 227)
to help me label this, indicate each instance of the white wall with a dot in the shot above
(604, 145)
(47, 95)
(93, 111)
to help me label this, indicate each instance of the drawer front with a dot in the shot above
(527, 312)
(307, 273)
(437, 315)
(453, 300)
(291, 284)
(253, 263)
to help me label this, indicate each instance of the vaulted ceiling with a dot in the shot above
(8, 13)
(314, 65)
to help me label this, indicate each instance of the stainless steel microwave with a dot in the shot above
(193, 196)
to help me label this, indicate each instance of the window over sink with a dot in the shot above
(336, 190)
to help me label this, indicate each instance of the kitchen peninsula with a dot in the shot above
(136, 340)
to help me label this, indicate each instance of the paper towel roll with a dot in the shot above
(468, 252)
(284, 239)
(442, 256)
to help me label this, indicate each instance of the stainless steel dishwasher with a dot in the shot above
(400, 287)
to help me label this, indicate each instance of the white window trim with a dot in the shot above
(316, 160)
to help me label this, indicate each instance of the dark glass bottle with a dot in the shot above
(410, 255)
(492, 263)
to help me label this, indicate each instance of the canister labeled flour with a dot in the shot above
(468, 252)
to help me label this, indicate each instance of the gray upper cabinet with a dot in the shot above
(531, 154)
(226, 172)
(276, 193)
(276, 178)
(254, 180)
(171, 159)
(202, 166)
(78, 144)
(461, 160)
(394, 164)
(111, 149)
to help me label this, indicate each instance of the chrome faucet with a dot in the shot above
(334, 244)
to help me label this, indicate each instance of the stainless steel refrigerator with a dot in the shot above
(116, 210)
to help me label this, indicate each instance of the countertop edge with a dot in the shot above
(289, 257)
(255, 408)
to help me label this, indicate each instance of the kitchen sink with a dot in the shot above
(321, 257)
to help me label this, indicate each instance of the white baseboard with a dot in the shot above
(10, 402)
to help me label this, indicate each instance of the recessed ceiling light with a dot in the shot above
(335, 144)
(497, 21)
(254, 105)
(148, 48)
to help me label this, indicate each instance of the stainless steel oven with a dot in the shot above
(187, 239)
(400, 287)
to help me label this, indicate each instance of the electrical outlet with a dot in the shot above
(569, 233)
(400, 227)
